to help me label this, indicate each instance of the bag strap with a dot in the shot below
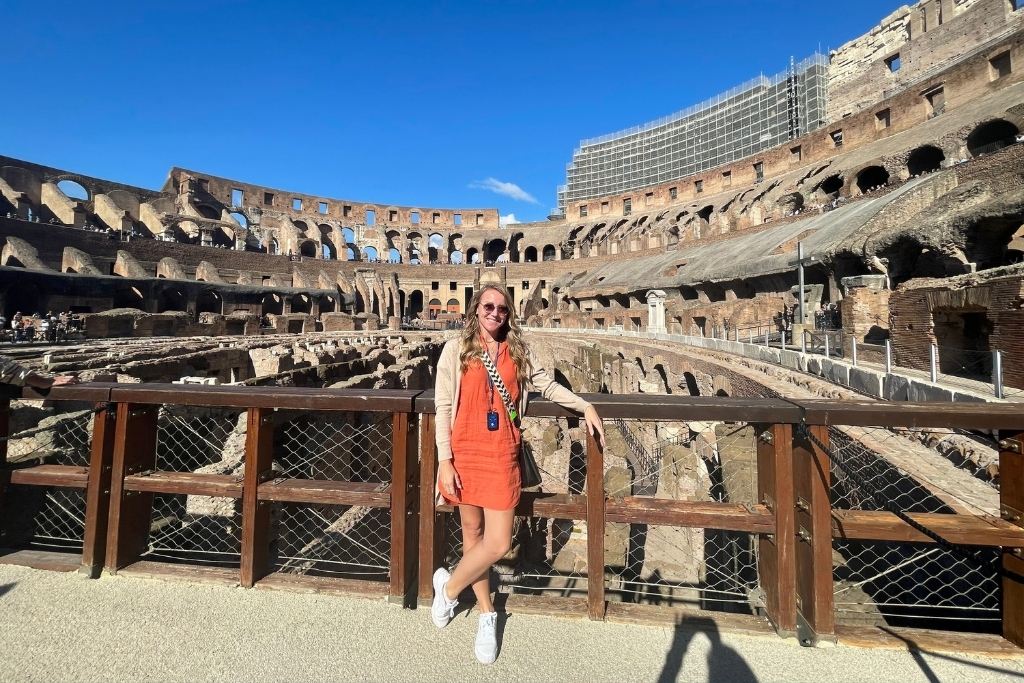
(492, 371)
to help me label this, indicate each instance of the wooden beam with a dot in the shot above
(185, 483)
(97, 492)
(552, 505)
(259, 455)
(1011, 506)
(595, 529)
(325, 492)
(865, 413)
(811, 476)
(685, 513)
(404, 522)
(776, 557)
(131, 512)
(431, 534)
(291, 398)
(64, 476)
(879, 525)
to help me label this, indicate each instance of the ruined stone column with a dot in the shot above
(656, 311)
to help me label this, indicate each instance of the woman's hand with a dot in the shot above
(448, 479)
(594, 424)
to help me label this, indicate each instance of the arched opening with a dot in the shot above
(455, 245)
(73, 190)
(129, 297)
(24, 300)
(872, 178)
(495, 249)
(473, 256)
(691, 384)
(301, 303)
(434, 309)
(327, 304)
(301, 225)
(415, 303)
(530, 255)
(452, 306)
(328, 250)
(549, 252)
(209, 302)
(455, 257)
(240, 219)
(414, 248)
(925, 160)
(349, 236)
(394, 256)
(992, 241)
(688, 293)
(272, 304)
(831, 184)
(435, 244)
(171, 300)
(791, 203)
(308, 249)
(223, 237)
(991, 136)
(274, 248)
(370, 253)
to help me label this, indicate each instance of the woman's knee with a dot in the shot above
(472, 534)
(498, 546)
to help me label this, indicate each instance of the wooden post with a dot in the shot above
(130, 511)
(776, 552)
(259, 455)
(431, 534)
(404, 475)
(1011, 508)
(595, 529)
(814, 599)
(97, 491)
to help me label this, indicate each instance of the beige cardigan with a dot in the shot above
(446, 394)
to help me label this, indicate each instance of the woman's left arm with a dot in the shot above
(553, 391)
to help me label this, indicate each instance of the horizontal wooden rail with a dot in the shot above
(185, 483)
(321, 492)
(871, 525)
(65, 476)
(539, 504)
(899, 414)
(755, 519)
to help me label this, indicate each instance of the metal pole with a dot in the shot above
(800, 275)
(751, 335)
(997, 372)
(803, 341)
(828, 354)
(853, 350)
(783, 340)
(766, 338)
(888, 357)
(933, 354)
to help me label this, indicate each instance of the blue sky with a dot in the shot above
(429, 104)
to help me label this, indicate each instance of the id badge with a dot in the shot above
(492, 420)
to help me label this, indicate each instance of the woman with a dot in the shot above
(478, 446)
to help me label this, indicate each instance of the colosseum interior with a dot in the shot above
(878, 256)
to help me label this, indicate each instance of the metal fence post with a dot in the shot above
(888, 357)
(933, 355)
(803, 341)
(828, 353)
(997, 372)
(853, 350)
(783, 340)
(766, 338)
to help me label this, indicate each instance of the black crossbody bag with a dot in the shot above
(529, 473)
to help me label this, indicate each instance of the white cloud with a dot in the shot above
(507, 189)
(507, 219)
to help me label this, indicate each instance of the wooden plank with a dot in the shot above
(130, 511)
(1011, 505)
(811, 477)
(776, 551)
(673, 407)
(403, 522)
(185, 483)
(298, 583)
(41, 559)
(904, 414)
(552, 505)
(547, 605)
(97, 492)
(697, 620)
(326, 492)
(430, 531)
(93, 392)
(876, 525)
(259, 456)
(684, 513)
(168, 571)
(595, 530)
(294, 398)
(924, 640)
(65, 476)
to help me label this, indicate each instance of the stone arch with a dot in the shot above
(307, 248)
(871, 177)
(272, 304)
(455, 246)
(171, 299)
(831, 185)
(370, 253)
(472, 255)
(495, 248)
(549, 253)
(435, 247)
(791, 203)
(209, 301)
(925, 159)
(691, 383)
(73, 189)
(530, 254)
(301, 303)
(991, 136)
(129, 297)
(327, 304)
(415, 303)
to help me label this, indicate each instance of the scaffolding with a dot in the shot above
(753, 116)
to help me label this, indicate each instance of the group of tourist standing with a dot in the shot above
(36, 327)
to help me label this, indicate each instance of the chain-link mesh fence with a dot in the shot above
(917, 584)
(342, 541)
(200, 439)
(55, 435)
(336, 446)
(44, 517)
(195, 530)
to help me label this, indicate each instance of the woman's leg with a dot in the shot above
(472, 518)
(476, 561)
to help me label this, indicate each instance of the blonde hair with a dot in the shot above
(471, 348)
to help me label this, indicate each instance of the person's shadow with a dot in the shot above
(724, 663)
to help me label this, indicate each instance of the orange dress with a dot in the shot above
(487, 461)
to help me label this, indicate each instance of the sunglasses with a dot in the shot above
(502, 309)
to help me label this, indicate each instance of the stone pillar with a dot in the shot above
(656, 311)
(931, 15)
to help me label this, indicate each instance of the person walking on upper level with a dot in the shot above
(478, 441)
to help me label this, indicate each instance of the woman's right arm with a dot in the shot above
(444, 389)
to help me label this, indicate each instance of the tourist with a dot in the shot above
(478, 441)
(11, 372)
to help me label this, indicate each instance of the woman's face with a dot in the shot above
(492, 313)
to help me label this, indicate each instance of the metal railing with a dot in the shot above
(807, 512)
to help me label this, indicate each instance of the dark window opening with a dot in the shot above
(322, 207)
(346, 211)
(1000, 65)
(935, 101)
(583, 211)
(872, 178)
(833, 183)
(893, 62)
(759, 171)
(726, 178)
(698, 186)
(925, 160)
(795, 153)
(882, 119)
(296, 204)
(479, 219)
(627, 206)
(837, 138)
(672, 193)
(236, 197)
(457, 218)
(268, 199)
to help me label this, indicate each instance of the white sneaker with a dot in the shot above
(442, 610)
(487, 638)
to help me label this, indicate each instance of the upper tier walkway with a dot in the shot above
(63, 627)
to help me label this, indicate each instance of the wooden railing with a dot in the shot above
(792, 518)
